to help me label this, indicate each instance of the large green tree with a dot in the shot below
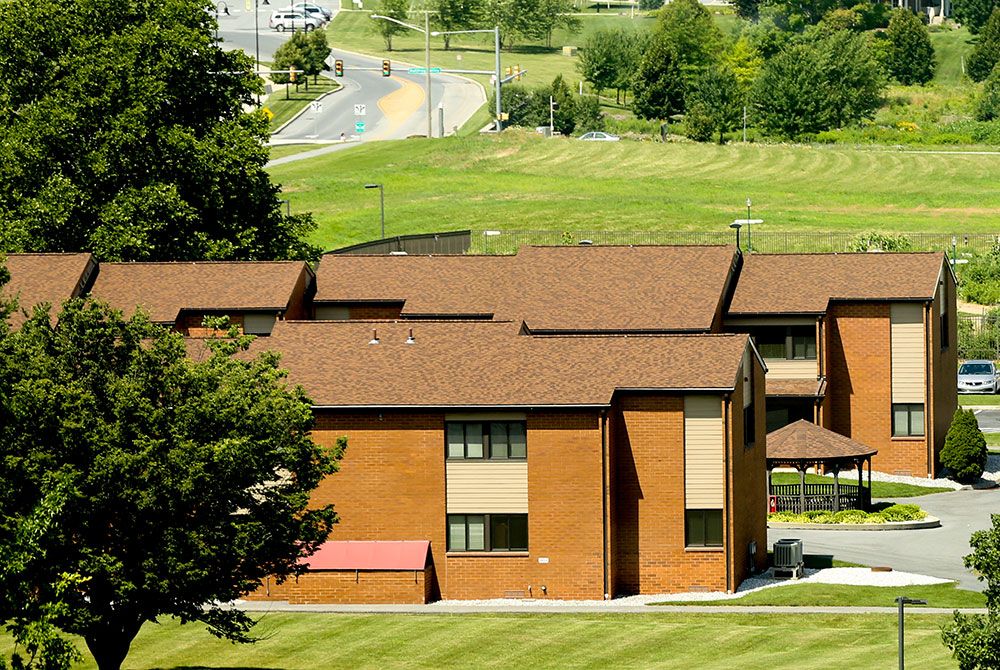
(397, 9)
(973, 14)
(909, 53)
(123, 133)
(178, 483)
(986, 53)
(455, 15)
(974, 639)
(692, 36)
(713, 106)
(658, 84)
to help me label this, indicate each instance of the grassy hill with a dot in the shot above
(523, 181)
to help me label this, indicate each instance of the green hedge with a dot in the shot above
(854, 516)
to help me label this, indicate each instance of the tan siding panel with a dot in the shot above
(908, 359)
(778, 368)
(703, 452)
(487, 487)
(332, 312)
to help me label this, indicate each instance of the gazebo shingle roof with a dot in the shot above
(805, 441)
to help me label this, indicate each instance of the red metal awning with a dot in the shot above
(386, 555)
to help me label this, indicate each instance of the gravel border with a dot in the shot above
(847, 576)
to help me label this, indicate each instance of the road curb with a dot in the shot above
(302, 111)
(929, 522)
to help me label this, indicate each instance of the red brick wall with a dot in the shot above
(391, 486)
(944, 367)
(859, 370)
(351, 587)
(748, 483)
(648, 502)
(375, 312)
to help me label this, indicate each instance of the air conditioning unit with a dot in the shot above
(788, 559)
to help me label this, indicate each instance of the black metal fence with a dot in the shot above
(819, 497)
(508, 241)
(978, 336)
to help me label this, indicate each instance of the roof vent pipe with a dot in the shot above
(374, 339)
(410, 339)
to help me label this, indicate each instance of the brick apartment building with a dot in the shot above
(572, 417)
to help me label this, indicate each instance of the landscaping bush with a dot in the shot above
(894, 513)
(902, 513)
(964, 452)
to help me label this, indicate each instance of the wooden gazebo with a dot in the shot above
(803, 444)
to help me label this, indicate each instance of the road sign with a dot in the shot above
(268, 113)
(359, 126)
(316, 106)
(423, 70)
(360, 110)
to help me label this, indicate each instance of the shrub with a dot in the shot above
(964, 452)
(988, 101)
(851, 516)
(874, 239)
(902, 513)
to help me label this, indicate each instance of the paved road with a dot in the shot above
(395, 107)
(933, 551)
(989, 418)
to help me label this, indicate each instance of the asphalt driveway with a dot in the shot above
(932, 551)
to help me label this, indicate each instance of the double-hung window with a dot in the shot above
(785, 342)
(907, 420)
(487, 532)
(493, 440)
(703, 528)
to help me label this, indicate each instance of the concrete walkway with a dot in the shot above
(598, 607)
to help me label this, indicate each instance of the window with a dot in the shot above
(487, 532)
(496, 440)
(907, 420)
(944, 327)
(703, 528)
(787, 342)
(749, 415)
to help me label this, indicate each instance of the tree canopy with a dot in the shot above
(986, 53)
(156, 484)
(973, 14)
(397, 9)
(123, 133)
(910, 55)
(975, 639)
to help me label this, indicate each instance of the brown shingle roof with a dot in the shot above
(796, 387)
(487, 363)
(166, 288)
(438, 285)
(588, 288)
(806, 283)
(51, 278)
(803, 440)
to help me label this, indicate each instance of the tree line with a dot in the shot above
(790, 84)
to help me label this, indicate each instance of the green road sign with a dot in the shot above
(359, 126)
(423, 70)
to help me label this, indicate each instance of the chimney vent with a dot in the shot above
(410, 339)
(374, 339)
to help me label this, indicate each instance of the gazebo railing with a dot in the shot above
(819, 497)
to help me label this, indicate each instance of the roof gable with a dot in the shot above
(806, 283)
(164, 289)
(52, 278)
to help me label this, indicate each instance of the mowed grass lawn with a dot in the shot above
(524, 181)
(682, 641)
(879, 489)
(843, 595)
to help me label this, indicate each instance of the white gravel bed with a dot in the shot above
(850, 576)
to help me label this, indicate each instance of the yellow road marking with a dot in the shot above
(401, 104)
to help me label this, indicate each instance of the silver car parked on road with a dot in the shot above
(978, 377)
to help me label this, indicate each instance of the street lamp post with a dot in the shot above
(496, 54)
(426, 30)
(381, 199)
(903, 600)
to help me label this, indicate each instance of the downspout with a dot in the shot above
(605, 491)
(726, 402)
(928, 389)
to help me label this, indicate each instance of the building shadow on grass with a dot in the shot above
(212, 667)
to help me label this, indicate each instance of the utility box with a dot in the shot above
(569, 51)
(787, 557)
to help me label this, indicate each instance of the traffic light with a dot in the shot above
(510, 70)
(386, 70)
(338, 68)
(291, 74)
(517, 69)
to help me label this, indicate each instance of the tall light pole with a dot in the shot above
(381, 199)
(426, 30)
(496, 60)
(902, 600)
